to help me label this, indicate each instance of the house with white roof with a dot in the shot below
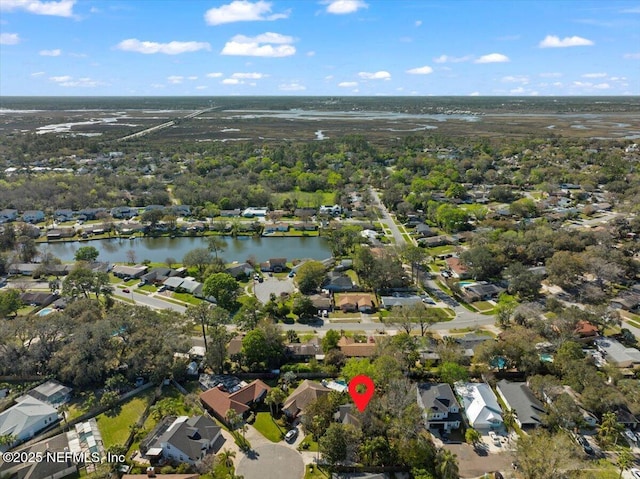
(480, 405)
(24, 420)
(50, 392)
(616, 353)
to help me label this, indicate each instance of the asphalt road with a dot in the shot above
(387, 220)
(150, 301)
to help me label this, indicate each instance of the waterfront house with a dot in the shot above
(63, 215)
(252, 212)
(440, 408)
(275, 265)
(122, 271)
(240, 269)
(124, 212)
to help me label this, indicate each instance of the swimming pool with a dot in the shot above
(45, 311)
(546, 358)
(466, 283)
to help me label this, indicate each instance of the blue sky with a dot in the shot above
(319, 47)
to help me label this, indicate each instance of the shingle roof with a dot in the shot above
(521, 400)
(24, 415)
(303, 395)
(190, 435)
(437, 397)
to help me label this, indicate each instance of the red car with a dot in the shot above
(126, 290)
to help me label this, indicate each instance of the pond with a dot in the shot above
(157, 250)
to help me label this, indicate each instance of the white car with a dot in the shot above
(630, 435)
(635, 472)
(291, 435)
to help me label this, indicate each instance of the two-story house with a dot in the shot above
(439, 405)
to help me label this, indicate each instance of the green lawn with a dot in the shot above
(305, 199)
(483, 306)
(313, 445)
(114, 424)
(147, 287)
(267, 426)
(444, 249)
(441, 314)
(187, 298)
(314, 472)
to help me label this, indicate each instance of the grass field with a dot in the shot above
(441, 314)
(315, 472)
(114, 424)
(305, 199)
(313, 445)
(483, 306)
(267, 426)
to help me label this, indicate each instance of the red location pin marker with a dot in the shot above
(361, 399)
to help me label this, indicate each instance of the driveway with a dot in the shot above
(473, 465)
(271, 461)
(273, 285)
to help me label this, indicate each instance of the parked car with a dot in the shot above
(141, 283)
(586, 447)
(291, 435)
(630, 435)
(635, 472)
(126, 290)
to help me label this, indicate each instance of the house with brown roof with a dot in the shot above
(304, 351)
(586, 331)
(302, 396)
(217, 401)
(276, 265)
(351, 349)
(458, 270)
(353, 302)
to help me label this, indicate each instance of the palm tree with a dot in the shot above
(233, 418)
(625, 460)
(447, 464)
(473, 436)
(610, 428)
(509, 420)
(275, 397)
(227, 456)
(7, 439)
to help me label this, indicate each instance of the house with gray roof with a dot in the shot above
(439, 405)
(518, 397)
(27, 418)
(389, 302)
(616, 353)
(122, 271)
(50, 392)
(48, 467)
(173, 283)
(181, 439)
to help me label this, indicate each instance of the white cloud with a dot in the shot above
(63, 8)
(475, 93)
(242, 11)
(266, 45)
(329, 77)
(201, 87)
(379, 75)
(594, 75)
(553, 41)
(493, 58)
(347, 84)
(425, 70)
(557, 84)
(214, 75)
(418, 23)
(175, 79)
(342, 7)
(551, 75)
(51, 53)
(448, 59)
(37, 74)
(632, 56)
(69, 81)
(252, 76)
(516, 79)
(9, 39)
(582, 84)
(602, 86)
(157, 85)
(192, 78)
(171, 48)
(293, 86)
(517, 91)
(60, 79)
(230, 81)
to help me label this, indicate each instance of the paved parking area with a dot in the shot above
(271, 461)
(272, 285)
(473, 464)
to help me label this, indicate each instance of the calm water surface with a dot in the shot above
(158, 249)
